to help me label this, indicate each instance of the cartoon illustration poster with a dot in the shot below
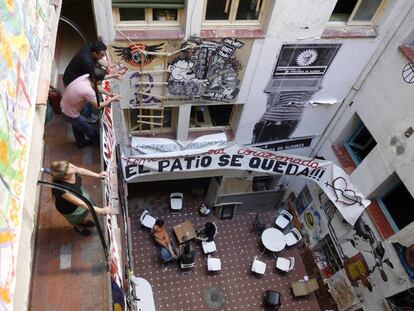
(194, 70)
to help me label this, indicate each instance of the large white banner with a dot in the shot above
(333, 180)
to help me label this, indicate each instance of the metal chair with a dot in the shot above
(258, 266)
(293, 237)
(283, 219)
(213, 264)
(147, 220)
(208, 247)
(176, 201)
(285, 264)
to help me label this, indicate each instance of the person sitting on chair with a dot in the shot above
(162, 238)
(187, 257)
(207, 233)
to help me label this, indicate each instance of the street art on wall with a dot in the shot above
(297, 77)
(132, 55)
(209, 71)
(21, 33)
(177, 71)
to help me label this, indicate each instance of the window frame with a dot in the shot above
(134, 127)
(212, 127)
(349, 142)
(148, 23)
(384, 208)
(231, 21)
(351, 22)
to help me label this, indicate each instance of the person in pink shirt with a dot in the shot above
(78, 93)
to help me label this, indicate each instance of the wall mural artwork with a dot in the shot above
(21, 32)
(179, 71)
(297, 77)
(209, 71)
(132, 55)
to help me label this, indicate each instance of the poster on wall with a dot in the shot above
(298, 75)
(22, 28)
(341, 291)
(176, 71)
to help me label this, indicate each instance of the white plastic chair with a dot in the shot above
(213, 264)
(147, 220)
(283, 219)
(208, 247)
(176, 201)
(293, 237)
(258, 266)
(285, 264)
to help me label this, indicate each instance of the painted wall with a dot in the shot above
(208, 71)
(288, 25)
(383, 101)
(26, 34)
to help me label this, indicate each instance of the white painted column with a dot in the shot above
(183, 122)
(194, 17)
(104, 20)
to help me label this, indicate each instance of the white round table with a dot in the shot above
(273, 239)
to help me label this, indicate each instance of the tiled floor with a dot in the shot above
(175, 289)
(68, 270)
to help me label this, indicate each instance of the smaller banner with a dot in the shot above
(287, 144)
(333, 180)
(150, 145)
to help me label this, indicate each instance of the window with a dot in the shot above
(360, 144)
(398, 206)
(148, 13)
(234, 12)
(150, 120)
(357, 12)
(210, 116)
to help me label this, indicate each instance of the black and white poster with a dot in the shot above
(297, 76)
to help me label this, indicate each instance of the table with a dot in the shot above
(273, 239)
(184, 231)
(302, 288)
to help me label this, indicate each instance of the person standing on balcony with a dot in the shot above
(71, 207)
(78, 93)
(84, 62)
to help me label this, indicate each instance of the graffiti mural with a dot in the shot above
(209, 71)
(178, 71)
(21, 29)
(133, 54)
(297, 77)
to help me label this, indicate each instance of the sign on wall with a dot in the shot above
(21, 32)
(197, 69)
(298, 75)
(332, 179)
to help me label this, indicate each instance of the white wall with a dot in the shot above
(383, 101)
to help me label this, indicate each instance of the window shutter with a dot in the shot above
(156, 4)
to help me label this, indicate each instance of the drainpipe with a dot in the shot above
(384, 43)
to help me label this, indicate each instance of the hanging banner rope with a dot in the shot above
(333, 180)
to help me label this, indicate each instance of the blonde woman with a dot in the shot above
(72, 208)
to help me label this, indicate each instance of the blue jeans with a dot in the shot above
(81, 128)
